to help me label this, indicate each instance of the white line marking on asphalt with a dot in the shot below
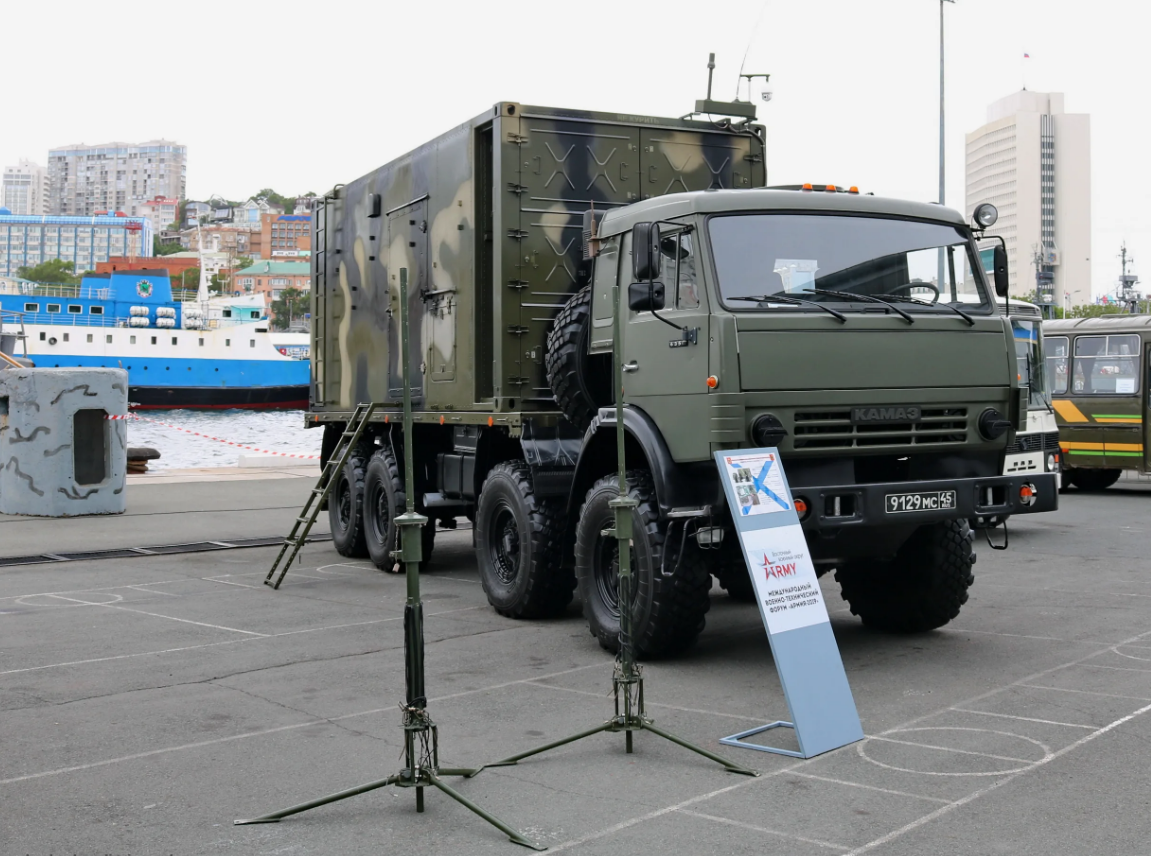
(869, 787)
(1023, 718)
(202, 743)
(957, 751)
(728, 821)
(1114, 668)
(1084, 692)
(947, 809)
(142, 588)
(1017, 636)
(224, 642)
(186, 621)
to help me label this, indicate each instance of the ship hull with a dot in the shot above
(217, 398)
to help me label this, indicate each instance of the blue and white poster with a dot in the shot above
(791, 604)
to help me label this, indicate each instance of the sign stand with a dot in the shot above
(823, 713)
(421, 736)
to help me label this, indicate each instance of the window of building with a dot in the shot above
(31, 307)
(108, 339)
(66, 337)
(95, 310)
(201, 341)
(131, 340)
(227, 343)
(75, 308)
(174, 340)
(153, 340)
(251, 343)
(53, 307)
(43, 336)
(89, 337)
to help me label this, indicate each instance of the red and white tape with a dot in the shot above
(134, 418)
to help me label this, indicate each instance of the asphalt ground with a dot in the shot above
(148, 702)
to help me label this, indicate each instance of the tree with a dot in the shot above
(273, 198)
(51, 272)
(164, 249)
(190, 279)
(289, 306)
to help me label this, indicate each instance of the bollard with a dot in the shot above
(60, 454)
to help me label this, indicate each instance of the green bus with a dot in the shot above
(1096, 370)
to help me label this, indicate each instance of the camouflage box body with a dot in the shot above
(487, 220)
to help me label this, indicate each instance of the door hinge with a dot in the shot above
(517, 139)
(517, 234)
(516, 188)
(517, 330)
(518, 381)
(518, 283)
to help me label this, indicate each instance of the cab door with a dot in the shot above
(665, 353)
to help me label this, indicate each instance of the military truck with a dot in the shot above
(809, 319)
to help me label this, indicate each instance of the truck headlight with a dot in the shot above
(1052, 464)
(767, 430)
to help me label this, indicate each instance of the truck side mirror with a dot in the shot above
(999, 270)
(645, 252)
(645, 296)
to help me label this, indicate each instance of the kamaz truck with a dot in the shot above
(857, 334)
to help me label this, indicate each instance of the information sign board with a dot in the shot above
(803, 646)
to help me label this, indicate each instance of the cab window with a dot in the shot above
(679, 266)
(1106, 365)
(1056, 347)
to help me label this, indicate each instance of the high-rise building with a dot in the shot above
(25, 188)
(84, 180)
(1033, 162)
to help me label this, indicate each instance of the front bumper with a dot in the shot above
(865, 505)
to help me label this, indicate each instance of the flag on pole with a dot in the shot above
(1027, 56)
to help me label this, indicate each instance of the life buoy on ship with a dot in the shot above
(166, 312)
(137, 321)
(165, 322)
(138, 310)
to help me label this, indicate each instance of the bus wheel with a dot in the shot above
(667, 611)
(518, 539)
(1092, 480)
(922, 588)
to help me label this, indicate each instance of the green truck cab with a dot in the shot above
(811, 320)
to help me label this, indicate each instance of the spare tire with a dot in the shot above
(580, 382)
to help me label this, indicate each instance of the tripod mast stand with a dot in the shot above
(421, 736)
(627, 678)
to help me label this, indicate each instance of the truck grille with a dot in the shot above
(834, 430)
(1034, 443)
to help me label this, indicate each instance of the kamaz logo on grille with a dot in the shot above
(886, 414)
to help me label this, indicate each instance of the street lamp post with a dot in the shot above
(942, 171)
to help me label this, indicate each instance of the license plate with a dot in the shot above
(932, 500)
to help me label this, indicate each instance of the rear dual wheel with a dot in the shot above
(1093, 479)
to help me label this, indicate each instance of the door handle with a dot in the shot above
(633, 366)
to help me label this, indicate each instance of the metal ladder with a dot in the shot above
(298, 537)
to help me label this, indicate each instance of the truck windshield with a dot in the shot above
(809, 255)
(1029, 358)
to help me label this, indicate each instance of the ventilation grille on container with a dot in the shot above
(1034, 443)
(834, 430)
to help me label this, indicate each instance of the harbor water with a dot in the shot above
(202, 438)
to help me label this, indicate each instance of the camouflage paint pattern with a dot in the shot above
(487, 220)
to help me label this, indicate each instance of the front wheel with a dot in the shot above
(667, 611)
(922, 588)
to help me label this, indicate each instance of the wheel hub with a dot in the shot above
(505, 546)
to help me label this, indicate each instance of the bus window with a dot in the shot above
(1056, 364)
(1106, 365)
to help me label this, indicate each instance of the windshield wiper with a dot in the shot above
(955, 309)
(851, 295)
(780, 297)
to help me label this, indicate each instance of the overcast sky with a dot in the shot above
(299, 96)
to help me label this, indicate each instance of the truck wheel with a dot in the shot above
(921, 589)
(581, 383)
(667, 612)
(730, 569)
(519, 546)
(345, 516)
(1092, 480)
(384, 501)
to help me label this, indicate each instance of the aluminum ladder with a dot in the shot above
(299, 536)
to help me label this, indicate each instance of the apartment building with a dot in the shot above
(26, 241)
(286, 235)
(25, 188)
(84, 179)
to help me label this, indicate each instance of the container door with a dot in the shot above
(566, 165)
(408, 248)
(676, 162)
